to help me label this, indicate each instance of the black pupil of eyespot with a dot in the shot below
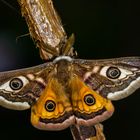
(113, 72)
(16, 84)
(89, 99)
(50, 105)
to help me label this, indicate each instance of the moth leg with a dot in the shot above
(87, 132)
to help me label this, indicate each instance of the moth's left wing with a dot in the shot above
(21, 88)
(112, 78)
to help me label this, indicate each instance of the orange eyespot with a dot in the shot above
(89, 99)
(50, 105)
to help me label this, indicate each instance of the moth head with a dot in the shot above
(89, 107)
(53, 109)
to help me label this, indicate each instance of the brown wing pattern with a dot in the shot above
(112, 78)
(21, 88)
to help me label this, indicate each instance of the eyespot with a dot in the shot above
(113, 72)
(50, 105)
(16, 84)
(89, 99)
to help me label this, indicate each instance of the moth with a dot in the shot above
(65, 91)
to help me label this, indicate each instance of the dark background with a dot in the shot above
(103, 29)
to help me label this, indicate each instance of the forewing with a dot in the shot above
(112, 78)
(53, 110)
(19, 89)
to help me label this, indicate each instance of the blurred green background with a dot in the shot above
(103, 29)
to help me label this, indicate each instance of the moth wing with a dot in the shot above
(53, 110)
(19, 89)
(112, 78)
(89, 107)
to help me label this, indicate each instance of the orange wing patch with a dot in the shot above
(53, 109)
(89, 107)
(57, 110)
